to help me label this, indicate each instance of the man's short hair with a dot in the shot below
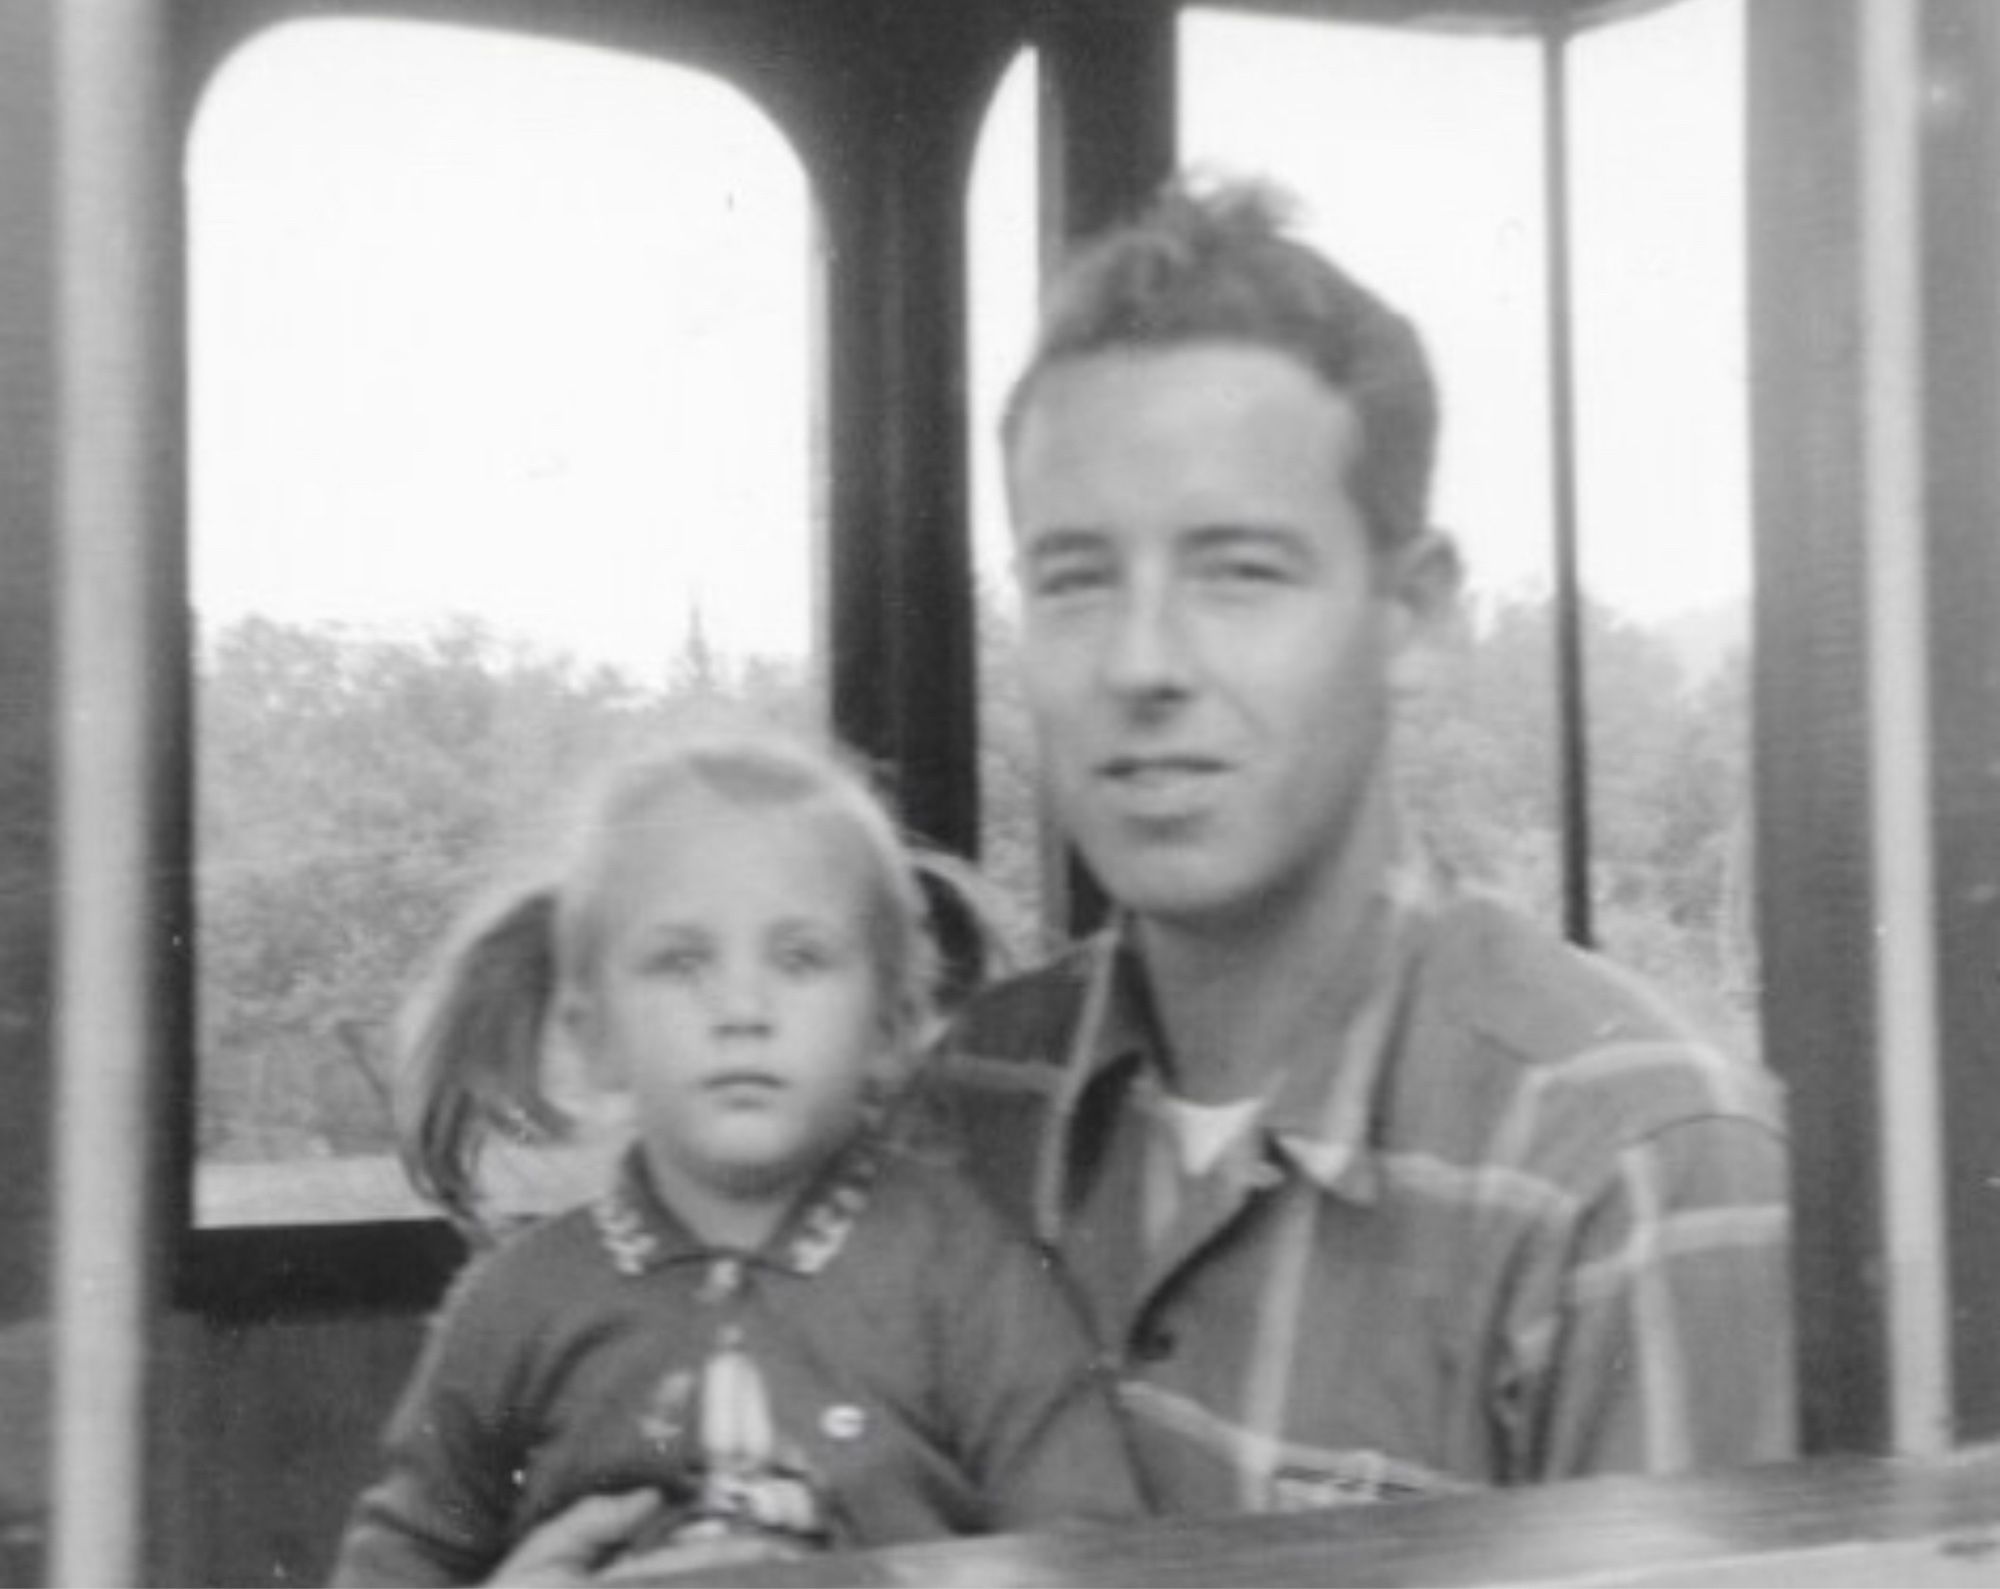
(1218, 263)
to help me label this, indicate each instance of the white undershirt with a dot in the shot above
(1188, 1141)
(1204, 1132)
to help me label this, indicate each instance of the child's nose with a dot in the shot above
(743, 999)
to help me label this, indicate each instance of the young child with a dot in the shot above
(774, 1322)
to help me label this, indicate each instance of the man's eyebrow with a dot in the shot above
(1251, 533)
(1062, 541)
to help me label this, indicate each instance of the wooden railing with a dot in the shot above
(1932, 1524)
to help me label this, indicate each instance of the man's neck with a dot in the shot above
(1237, 1001)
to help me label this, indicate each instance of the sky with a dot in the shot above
(483, 324)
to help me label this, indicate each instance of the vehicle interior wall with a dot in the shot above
(273, 1381)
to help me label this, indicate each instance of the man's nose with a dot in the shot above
(1149, 654)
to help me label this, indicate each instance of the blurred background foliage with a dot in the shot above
(356, 790)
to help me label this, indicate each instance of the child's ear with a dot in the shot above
(1423, 582)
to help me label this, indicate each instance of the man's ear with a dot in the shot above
(1423, 583)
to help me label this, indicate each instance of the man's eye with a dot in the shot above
(1057, 580)
(1244, 572)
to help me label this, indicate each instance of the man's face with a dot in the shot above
(1207, 640)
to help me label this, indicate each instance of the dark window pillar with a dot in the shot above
(1814, 801)
(1875, 314)
(1960, 222)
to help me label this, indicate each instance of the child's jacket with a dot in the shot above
(923, 1368)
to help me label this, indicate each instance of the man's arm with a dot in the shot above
(1033, 1409)
(1670, 1343)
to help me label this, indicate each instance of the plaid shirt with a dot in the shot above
(1511, 1222)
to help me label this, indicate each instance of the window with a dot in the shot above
(1657, 176)
(1415, 159)
(1418, 159)
(501, 410)
(1004, 254)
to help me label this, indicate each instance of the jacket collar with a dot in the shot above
(639, 1232)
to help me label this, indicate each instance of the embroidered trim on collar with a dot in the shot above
(637, 1234)
(824, 1224)
(623, 1231)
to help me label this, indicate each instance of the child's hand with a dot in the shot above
(570, 1547)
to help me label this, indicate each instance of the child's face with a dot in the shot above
(734, 994)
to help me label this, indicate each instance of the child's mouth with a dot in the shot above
(744, 1086)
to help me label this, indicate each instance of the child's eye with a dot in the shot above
(679, 963)
(803, 959)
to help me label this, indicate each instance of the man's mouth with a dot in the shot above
(1158, 772)
(1156, 789)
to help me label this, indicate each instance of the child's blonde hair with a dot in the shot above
(475, 1035)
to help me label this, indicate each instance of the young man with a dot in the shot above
(1371, 1188)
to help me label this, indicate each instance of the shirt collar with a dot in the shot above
(639, 1232)
(1322, 1109)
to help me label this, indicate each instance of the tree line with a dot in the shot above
(355, 789)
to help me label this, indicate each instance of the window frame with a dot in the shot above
(894, 489)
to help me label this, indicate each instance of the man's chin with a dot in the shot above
(1174, 896)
